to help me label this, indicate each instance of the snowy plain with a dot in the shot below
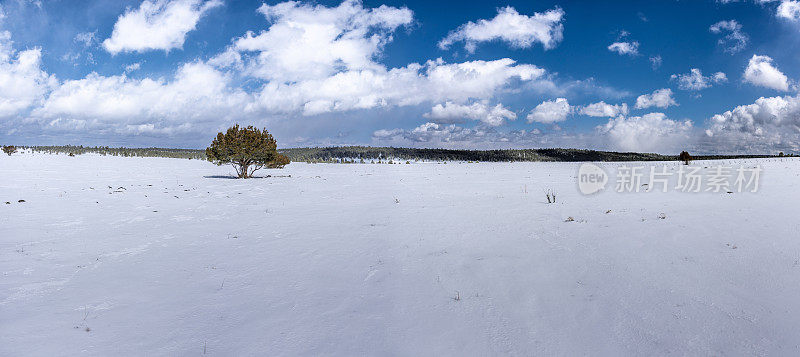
(169, 257)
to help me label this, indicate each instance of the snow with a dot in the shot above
(152, 256)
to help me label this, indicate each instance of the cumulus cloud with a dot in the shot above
(435, 81)
(157, 25)
(23, 84)
(652, 132)
(601, 109)
(197, 97)
(768, 123)
(661, 98)
(625, 48)
(761, 72)
(312, 42)
(519, 31)
(789, 10)
(695, 80)
(550, 112)
(455, 113)
(734, 39)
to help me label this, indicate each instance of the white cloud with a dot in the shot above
(755, 1)
(519, 31)
(764, 125)
(157, 25)
(438, 132)
(652, 132)
(661, 98)
(734, 40)
(455, 113)
(695, 80)
(761, 72)
(313, 42)
(198, 97)
(601, 109)
(719, 77)
(435, 81)
(23, 84)
(656, 61)
(454, 136)
(86, 38)
(625, 48)
(550, 111)
(433, 133)
(789, 10)
(133, 67)
(387, 133)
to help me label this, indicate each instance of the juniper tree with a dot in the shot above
(246, 149)
(685, 157)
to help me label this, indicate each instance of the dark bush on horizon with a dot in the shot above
(685, 157)
(9, 149)
(246, 149)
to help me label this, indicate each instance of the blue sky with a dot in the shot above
(709, 76)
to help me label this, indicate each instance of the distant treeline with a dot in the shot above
(125, 152)
(368, 154)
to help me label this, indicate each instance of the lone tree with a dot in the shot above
(9, 149)
(246, 149)
(685, 157)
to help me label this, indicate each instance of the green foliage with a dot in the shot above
(246, 149)
(9, 149)
(279, 162)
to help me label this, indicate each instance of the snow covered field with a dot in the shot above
(167, 257)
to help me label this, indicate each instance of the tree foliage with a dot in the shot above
(9, 149)
(279, 162)
(246, 149)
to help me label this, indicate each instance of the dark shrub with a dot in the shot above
(9, 149)
(685, 157)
